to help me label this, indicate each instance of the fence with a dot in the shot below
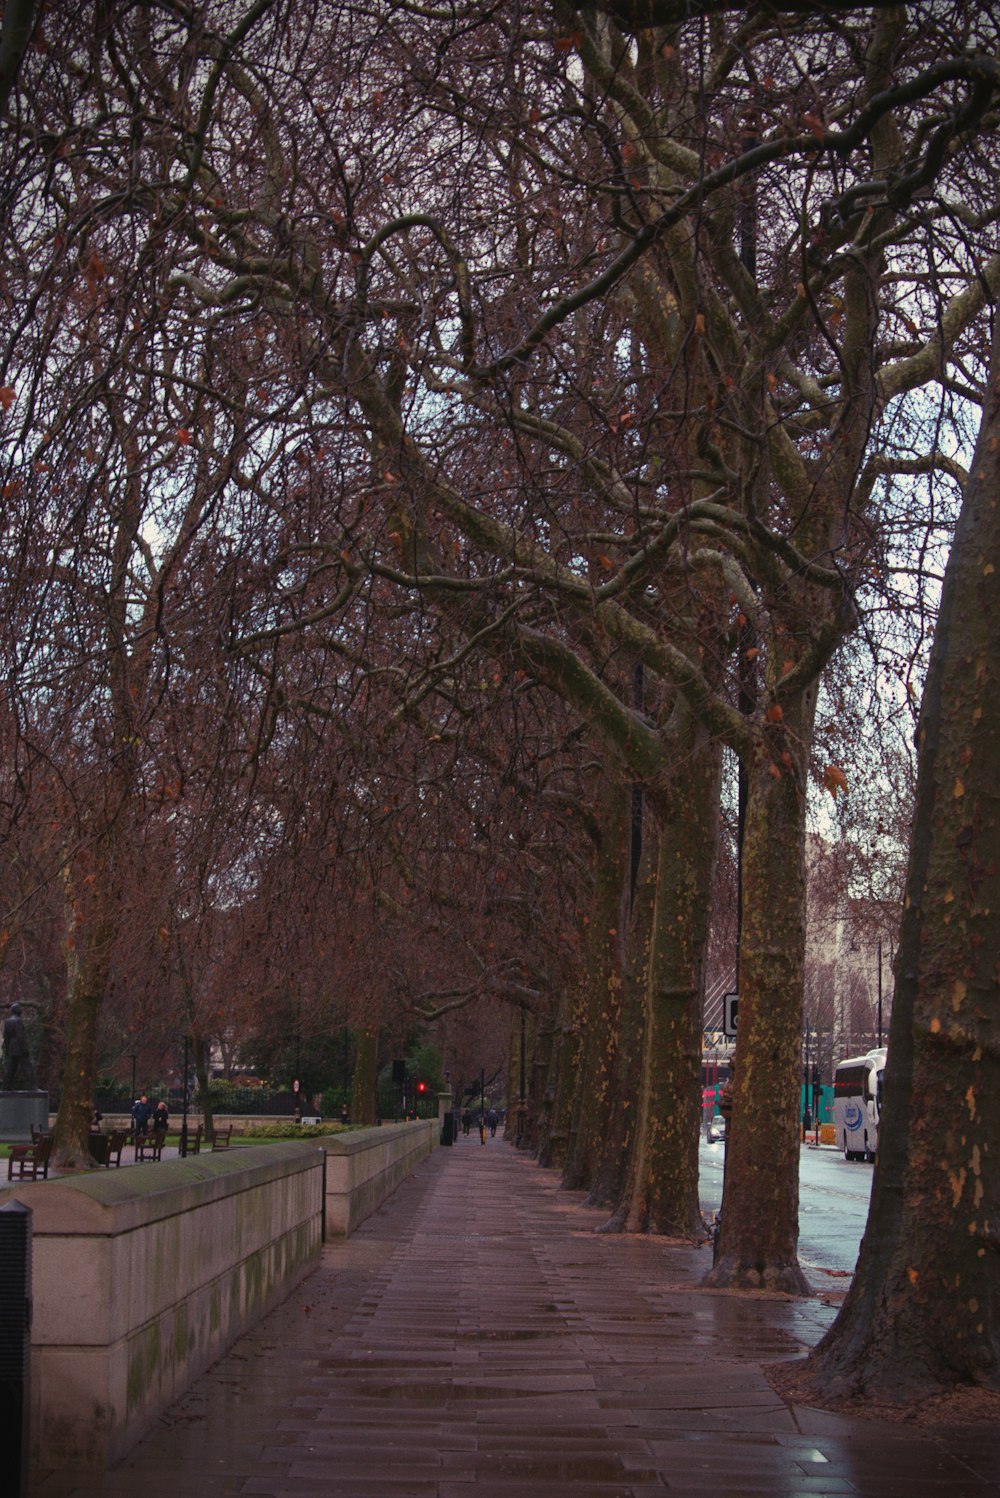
(249, 1102)
(242, 1101)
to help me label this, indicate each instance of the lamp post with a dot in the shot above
(879, 1040)
(184, 1104)
(522, 1105)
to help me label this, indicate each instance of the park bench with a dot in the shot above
(27, 1161)
(222, 1138)
(194, 1141)
(150, 1146)
(112, 1152)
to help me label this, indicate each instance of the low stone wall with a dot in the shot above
(365, 1166)
(143, 1277)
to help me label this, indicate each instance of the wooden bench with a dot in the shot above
(27, 1161)
(194, 1140)
(222, 1139)
(117, 1140)
(150, 1146)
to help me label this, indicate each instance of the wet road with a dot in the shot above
(833, 1206)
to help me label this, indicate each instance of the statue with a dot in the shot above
(16, 1053)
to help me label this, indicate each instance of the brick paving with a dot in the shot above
(477, 1338)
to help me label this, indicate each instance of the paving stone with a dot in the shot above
(477, 1338)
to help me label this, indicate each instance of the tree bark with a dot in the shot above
(923, 1311)
(605, 965)
(201, 1047)
(611, 1176)
(565, 1070)
(662, 1194)
(88, 951)
(758, 1242)
(365, 1079)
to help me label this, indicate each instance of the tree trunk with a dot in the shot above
(544, 1036)
(605, 964)
(608, 1185)
(204, 1081)
(88, 952)
(923, 1311)
(758, 1242)
(662, 1194)
(365, 1079)
(566, 1066)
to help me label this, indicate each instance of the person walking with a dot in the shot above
(140, 1117)
(493, 1118)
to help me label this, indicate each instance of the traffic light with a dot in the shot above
(421, 1087)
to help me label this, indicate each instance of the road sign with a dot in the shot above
(730, 1015)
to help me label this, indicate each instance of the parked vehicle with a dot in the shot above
(715, 1129)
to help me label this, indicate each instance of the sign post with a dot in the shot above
(730, 1015)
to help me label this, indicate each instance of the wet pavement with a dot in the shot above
(477, 1338)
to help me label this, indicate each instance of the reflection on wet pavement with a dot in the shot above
(478, 1339)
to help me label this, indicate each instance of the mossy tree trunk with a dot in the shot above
(567, 1056)
(202, 1048)
(606, 935)
(89, 940)
(758, 1244)
(923, 1310)
(662, 1192)
(543, 1033)
(365, 1080)
(608, 1183)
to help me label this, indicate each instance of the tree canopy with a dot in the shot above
(438, 440)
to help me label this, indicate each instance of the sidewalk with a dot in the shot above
(477, 1339)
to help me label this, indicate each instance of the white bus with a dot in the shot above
(857, 1102)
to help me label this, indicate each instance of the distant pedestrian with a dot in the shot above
(161, 1117)
(492, 1119)
(140, 1116)
(466, 1121)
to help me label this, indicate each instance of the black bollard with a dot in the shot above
(15, 1342)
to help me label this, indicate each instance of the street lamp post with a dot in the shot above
(522, 1105)
(184, 1104)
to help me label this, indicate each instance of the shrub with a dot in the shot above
(289, 1129)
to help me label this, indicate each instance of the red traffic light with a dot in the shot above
(421, 1086)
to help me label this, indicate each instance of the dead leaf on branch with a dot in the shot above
(835, 780)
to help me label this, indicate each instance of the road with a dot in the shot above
(833, 1207)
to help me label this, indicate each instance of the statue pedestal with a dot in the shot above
(19, 1111)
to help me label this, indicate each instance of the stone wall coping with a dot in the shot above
(108, 1202)
(356, 1140)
